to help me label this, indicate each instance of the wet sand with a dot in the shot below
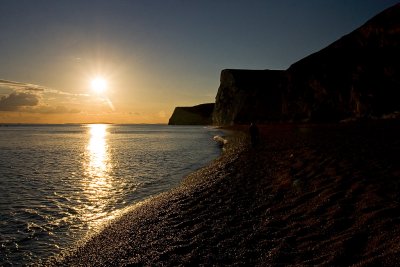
(307, 195)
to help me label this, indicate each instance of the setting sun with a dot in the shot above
(98, 85)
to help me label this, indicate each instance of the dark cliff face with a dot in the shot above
(197, 115)
(356, 76)
(249, 95)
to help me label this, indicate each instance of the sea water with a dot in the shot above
(59, 183)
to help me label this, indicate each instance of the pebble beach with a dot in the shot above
(305, 195)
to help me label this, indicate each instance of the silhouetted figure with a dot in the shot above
(254, 134)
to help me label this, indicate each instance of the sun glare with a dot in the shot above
(99, 85)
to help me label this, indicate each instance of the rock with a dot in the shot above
(249, 95)
(357, 76)
(197, 115)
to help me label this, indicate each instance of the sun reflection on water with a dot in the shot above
(98, 153)
(98, 182)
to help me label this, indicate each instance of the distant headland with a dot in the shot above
(197, 115)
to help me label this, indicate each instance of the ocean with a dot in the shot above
(61, 183)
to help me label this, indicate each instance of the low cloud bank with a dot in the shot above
(27, 97)
(16, 100)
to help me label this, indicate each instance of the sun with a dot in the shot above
(99, 85)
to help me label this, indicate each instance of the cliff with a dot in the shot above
(247, 95)
(197, 115)
(356, 76)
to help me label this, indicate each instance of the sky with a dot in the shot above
(152, 55)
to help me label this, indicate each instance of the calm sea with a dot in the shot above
(59, 183)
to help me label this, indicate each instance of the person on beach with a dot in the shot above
(254, 134)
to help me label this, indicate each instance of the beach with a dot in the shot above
(305, 195)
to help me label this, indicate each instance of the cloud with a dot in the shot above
(16, 100)
(20, 86)
(28, 102)
(32, 98)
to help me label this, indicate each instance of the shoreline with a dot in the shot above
(307, 195)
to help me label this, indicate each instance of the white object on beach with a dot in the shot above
(220, 140)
